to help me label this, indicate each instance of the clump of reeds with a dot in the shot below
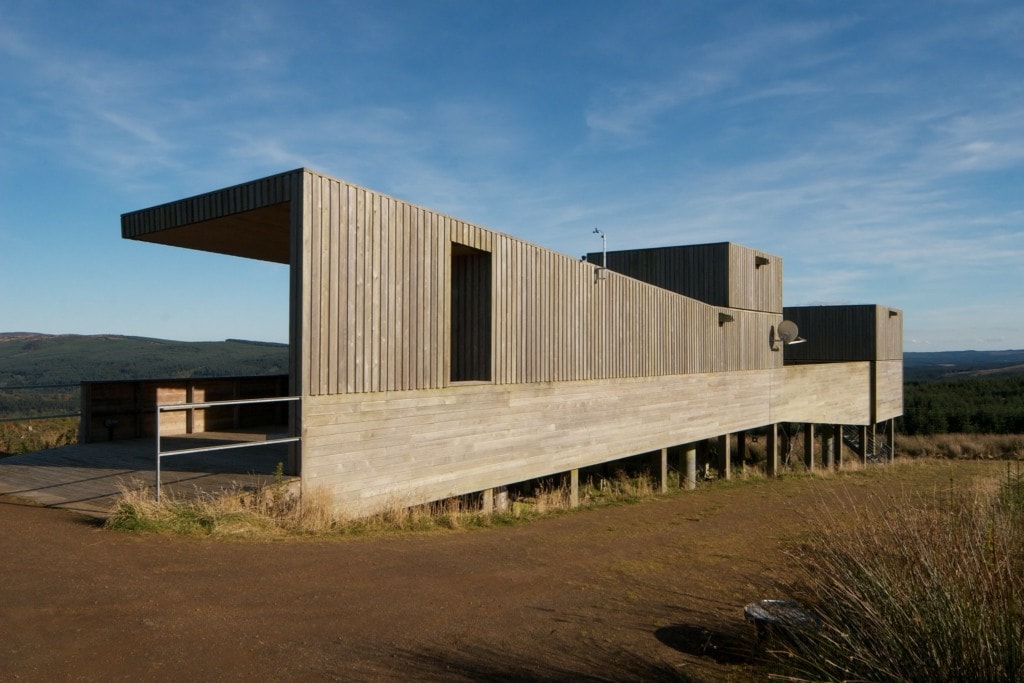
(929, 590)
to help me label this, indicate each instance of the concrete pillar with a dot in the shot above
(664, 470)
(574, 488)
(487, 503)
(725, 457)
(690, 464)
(809, 446)
(771, 451)
(862, 437)
(828, 453)
(501, 499)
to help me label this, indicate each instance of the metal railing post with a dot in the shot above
(158, 453)
(206, 449)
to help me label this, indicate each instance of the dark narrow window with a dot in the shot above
(470, 314)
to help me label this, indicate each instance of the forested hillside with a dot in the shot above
(56, 359)
(961, 364)
(972, 405)
(30, 360)
(969, 392)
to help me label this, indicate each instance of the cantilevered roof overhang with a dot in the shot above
(252, 220)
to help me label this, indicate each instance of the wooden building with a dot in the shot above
(435, 358)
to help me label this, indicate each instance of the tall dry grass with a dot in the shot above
(277, 510)
(931, 589)
(272, 510)
(972, 446)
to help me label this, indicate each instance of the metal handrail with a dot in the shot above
(171, 407)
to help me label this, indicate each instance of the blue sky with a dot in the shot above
(878, 147)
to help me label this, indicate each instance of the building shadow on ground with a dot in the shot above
(586, 663)
(722, 647)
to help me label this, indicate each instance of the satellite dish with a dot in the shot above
(788, 331)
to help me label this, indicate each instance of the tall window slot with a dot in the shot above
(470, 314)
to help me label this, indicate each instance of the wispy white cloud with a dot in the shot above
(627, 112)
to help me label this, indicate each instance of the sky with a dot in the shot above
(877, 147)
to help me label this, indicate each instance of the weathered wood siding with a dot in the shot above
(832, 393)
(372, 451)
(721, 274)
(377, 283)
(846, 333)
(574, 365)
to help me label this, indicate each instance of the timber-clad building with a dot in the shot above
(433, 358)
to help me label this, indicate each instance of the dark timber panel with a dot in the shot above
(846, 333)
(721, 274)
(250, 220)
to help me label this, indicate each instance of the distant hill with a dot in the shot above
(953, 365)
(30, 359)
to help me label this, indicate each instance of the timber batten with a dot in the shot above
(435, 357)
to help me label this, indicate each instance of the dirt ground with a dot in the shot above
(652, 591)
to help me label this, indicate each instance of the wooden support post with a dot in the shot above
(809, 446)
(190, 414)
(862, 446)
(487, 504)
(771, 452)
(664, 470)
(574, 488)
(725, 456)
(837, 443)
(690, 458)
(891, 432)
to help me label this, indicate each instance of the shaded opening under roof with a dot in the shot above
(262, 234)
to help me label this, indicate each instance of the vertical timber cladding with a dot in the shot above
(378, 316)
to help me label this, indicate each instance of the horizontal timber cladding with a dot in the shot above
(830, 393)
(720, 274)
(250, 220)
(846, 333)
(377, 277)
(888, 389)
(371, 451)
